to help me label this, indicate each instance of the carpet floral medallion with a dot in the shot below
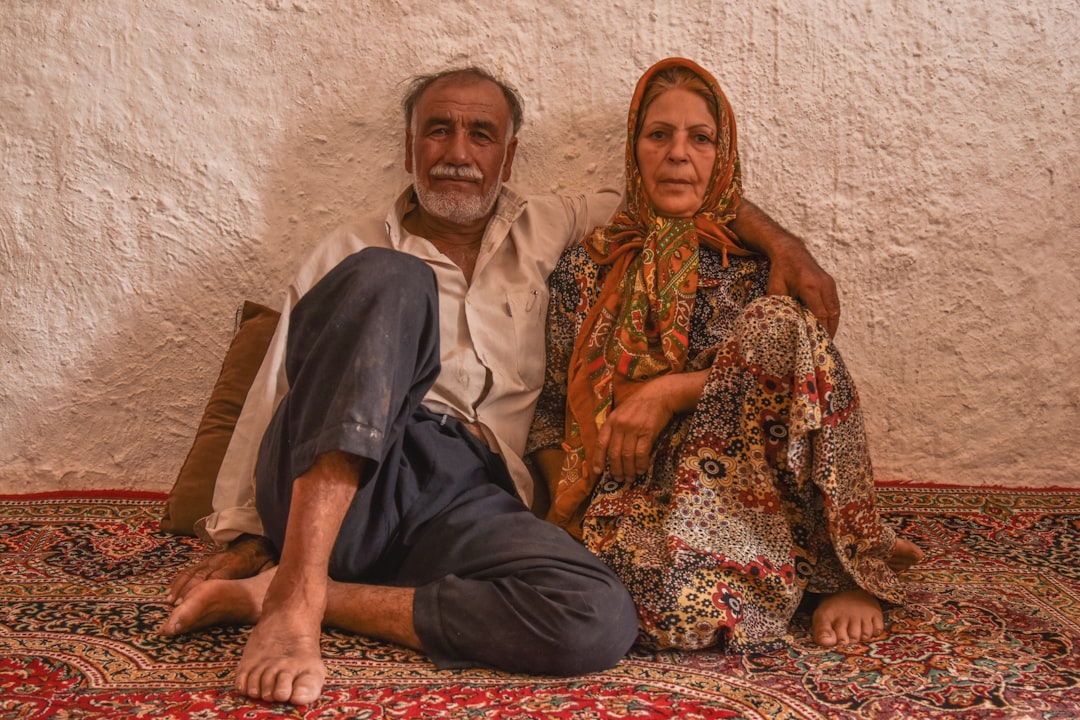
(992, 630)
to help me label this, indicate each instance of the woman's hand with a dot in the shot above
(626, 440)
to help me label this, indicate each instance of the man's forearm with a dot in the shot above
(793, 270)
(760, 232)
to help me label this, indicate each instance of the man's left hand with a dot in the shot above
(794, 272)
(245, 557)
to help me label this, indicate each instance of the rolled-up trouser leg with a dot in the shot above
(362, 351)
(499, 587)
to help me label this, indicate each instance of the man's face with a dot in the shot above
(459, 148)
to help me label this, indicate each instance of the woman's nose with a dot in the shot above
(677, 151)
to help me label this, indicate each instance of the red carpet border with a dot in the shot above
(992, 631)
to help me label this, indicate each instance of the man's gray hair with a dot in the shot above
(419, 85)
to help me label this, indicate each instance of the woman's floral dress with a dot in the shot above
(762, 493)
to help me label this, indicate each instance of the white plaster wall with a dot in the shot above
(161, 161)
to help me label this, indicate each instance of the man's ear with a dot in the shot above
(511, 148)
(408, 152)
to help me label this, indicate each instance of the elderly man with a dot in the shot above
(385, 429)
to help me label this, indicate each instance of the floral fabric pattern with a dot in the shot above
(763, 492)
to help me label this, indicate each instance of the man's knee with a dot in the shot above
(582, 622)
(372, 285)
(549, 620)
(383, 269)
(596, 638)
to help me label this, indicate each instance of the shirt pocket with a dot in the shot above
(528, 312)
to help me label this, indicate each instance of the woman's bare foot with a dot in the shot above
(904, 555)
(282, 661)
(219, 602)
(849, 616)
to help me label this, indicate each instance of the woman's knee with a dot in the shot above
(769, 329)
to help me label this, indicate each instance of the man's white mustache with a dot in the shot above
(456, 172)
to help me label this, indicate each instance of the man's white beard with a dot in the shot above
(455, 208)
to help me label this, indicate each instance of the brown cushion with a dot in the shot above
(193, 492)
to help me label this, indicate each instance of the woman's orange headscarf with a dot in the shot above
(639, 326)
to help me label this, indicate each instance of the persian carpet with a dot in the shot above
(992, 630)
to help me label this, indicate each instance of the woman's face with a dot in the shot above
(676, 151)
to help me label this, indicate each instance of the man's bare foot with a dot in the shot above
(219, 602)
(850, 616)
(282, 661)
(904, 555)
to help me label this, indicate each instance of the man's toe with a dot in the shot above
(306, 689)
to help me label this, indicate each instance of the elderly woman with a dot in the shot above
(702, 438)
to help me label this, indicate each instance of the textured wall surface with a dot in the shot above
(161, 161)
